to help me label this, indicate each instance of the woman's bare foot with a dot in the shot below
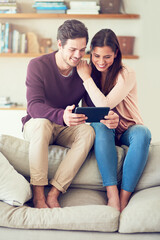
(124, 199)
(52, 198)
(113, 197)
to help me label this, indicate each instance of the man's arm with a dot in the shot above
(37, 106)
(36, 100)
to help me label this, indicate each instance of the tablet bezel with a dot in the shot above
(94, 114)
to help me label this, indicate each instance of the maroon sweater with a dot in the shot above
(48, 92)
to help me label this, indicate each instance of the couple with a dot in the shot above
(56, 83)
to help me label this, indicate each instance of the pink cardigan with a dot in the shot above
(122, 98)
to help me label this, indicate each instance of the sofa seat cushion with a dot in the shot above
(14, 188)
(151, 173)
(87, 211)
(16, 151)
(142, 214)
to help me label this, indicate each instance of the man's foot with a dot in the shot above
(52, 198)
(113, 197)
(40, 203)
(52, 202)
(39, 200)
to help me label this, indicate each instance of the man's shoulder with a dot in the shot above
(44, 59)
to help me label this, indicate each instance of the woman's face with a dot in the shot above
(103, 58)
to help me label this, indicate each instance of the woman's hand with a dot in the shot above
(111, 120)
(84, 70)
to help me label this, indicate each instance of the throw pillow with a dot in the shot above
(14, 188)
(142, 213)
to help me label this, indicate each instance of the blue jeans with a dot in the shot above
(137, 138)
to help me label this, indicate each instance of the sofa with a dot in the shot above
(84, 213)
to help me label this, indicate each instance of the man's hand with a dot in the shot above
(73, 119)
(111, 120)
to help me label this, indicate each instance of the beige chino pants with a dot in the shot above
(41, 132)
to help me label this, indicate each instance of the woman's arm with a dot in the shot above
(124, 84)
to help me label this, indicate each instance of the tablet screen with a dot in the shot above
(94, 114)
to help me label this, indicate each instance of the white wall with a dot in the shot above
(146, 30)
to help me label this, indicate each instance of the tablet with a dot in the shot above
(94, 114)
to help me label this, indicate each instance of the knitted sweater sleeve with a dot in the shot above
(124, 84)
(36, 101)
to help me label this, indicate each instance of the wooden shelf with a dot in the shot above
(20, 55)
(63, 16)
(67, 16)
(32, 55)
(130, 56)
(13, 108)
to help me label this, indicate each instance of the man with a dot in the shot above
(54, 88)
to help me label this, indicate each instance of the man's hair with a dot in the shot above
(72, 29)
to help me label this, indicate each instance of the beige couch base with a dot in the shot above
(141, 215)
(19, 234)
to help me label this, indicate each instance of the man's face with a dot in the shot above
(72, 51)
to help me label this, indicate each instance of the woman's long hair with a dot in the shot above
(106, 37)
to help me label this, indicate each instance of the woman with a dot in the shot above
(111, 84)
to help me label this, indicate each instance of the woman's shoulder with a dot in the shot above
(127, 72)
(127, 75)
(127, 69)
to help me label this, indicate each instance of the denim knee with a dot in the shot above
(137, 134)
(141, 134)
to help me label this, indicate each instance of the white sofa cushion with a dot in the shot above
(142, 214)
(92, 216)
(16, 151)
(14, 188)
(151, 173)
(82, 197)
